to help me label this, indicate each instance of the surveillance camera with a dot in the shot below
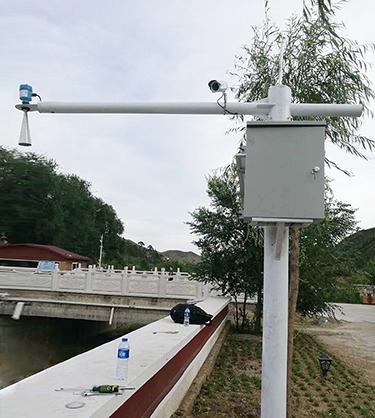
(217, 86)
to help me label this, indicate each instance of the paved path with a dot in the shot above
(356, 313)
(353, 338)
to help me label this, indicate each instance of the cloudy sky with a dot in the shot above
(152, 169)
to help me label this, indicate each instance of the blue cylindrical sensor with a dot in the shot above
(26, 93)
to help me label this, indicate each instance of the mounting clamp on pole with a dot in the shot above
(279, 232)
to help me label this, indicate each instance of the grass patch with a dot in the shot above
(233, 389)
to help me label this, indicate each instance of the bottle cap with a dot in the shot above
(124, 339)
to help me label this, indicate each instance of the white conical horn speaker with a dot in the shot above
(25, 138)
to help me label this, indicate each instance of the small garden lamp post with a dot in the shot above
(325, 363)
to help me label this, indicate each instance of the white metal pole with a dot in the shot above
(275, 294)
(275, 325)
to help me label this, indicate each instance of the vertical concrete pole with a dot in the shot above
(89, 278)
(162, 286)
(124, 281)
(55, 279)
(275, 325)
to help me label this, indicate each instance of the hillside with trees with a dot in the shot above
(359, 248)
(182, 256)
(40, 205)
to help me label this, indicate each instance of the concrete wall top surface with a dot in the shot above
(151, 347)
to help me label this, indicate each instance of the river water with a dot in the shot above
(32, 344)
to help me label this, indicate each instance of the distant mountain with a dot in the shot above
(182, 256)
(146, 257)
(359, 247)
(140, 256)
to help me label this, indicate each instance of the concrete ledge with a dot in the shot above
(161, 353)
(185, 408)
(182, 396)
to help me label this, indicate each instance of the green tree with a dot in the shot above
(231, 251)
(360, 247)
(26, 189)
(74, 215)
(108, 224)
(320, 65)
(369, 273)
(321, 266)
(140, 257)
(40, 205)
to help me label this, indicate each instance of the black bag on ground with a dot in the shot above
(197, 315)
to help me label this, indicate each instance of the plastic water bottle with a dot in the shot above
(187, 316)
(123, 360)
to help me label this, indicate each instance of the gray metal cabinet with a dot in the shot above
(284, 174)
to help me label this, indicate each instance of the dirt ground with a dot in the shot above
(352, 338)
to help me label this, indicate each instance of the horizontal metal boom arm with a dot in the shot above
(325, 109)
(157, 108)
(199, 108)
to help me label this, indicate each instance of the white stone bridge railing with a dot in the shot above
(126, 282)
